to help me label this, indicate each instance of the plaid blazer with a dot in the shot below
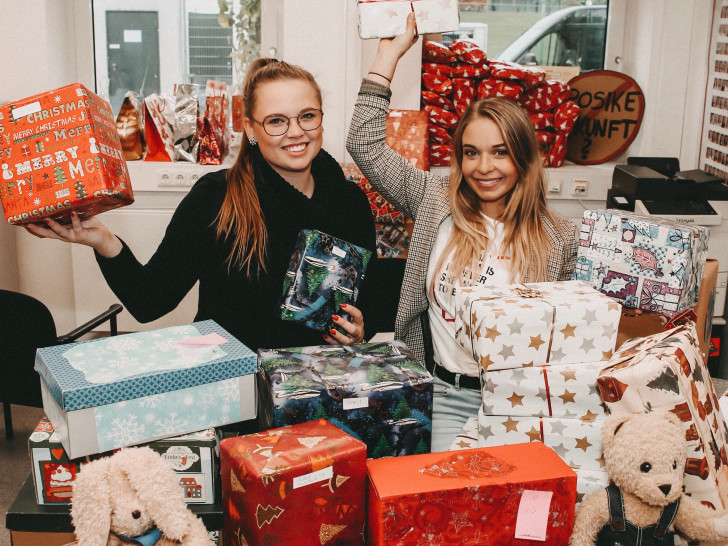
(423, 196)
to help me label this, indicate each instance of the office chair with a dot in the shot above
(26, 324)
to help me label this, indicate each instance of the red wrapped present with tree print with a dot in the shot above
(465, 65)
(60, 152)
(303, 484)
(472, 496)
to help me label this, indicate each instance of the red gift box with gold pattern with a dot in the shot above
(302, 484)
(59, 151)
(467, 497)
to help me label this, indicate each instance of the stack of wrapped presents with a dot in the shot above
(343, 449)
(343, 453)
(541, 347)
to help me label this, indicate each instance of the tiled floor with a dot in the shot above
(14, 459)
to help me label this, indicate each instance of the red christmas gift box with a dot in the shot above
(475, 496)
(303, 484)
(667, 371)
(60, 152)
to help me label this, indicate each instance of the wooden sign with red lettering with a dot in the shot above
(612, 106)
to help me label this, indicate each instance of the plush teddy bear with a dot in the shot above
(133, 497)
(645, 456)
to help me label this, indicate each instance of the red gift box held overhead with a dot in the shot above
(471, 496)
(60, 152)
(303, 484)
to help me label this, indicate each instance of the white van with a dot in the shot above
(569, 37)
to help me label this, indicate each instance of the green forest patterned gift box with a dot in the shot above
(377, 392)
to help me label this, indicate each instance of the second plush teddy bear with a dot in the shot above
(645, 457)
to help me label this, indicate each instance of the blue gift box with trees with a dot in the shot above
(323, 273)
(377, 392)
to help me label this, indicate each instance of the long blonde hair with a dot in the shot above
(240, 218)
(525, 237)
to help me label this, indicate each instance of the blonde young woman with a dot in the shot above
(486, 223)
(236, 229)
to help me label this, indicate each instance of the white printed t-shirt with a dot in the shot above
(495, 270)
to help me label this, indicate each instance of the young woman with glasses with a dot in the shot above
(236, 230)
(486, 223)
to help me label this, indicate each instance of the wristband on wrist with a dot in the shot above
(381, 76)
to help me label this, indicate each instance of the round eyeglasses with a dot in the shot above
(278, 124)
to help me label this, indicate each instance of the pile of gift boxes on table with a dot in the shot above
(344, 447)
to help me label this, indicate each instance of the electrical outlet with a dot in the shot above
(194, 177)
(180, 179)
(165, 178)
(579, 187)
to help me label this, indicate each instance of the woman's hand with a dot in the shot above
(89, 232)
(391, 50)
(354, 328)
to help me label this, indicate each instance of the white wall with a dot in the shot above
(665, 49)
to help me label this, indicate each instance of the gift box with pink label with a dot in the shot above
(666, 371)
(474, 496)
(130, 389)
(535, 324)
(643, 262)
(387, 18)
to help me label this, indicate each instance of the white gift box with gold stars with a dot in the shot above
(577, 442)
(559, 390)
(535, 324)
(388, 18)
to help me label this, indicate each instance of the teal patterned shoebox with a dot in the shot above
(130, 389)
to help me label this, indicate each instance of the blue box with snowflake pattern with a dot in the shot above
(644, 262)
(113, 392)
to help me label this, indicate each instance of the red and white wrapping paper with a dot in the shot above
(536, 324)
(388, 18)
(666, 371)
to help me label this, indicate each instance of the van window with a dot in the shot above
(539, 32)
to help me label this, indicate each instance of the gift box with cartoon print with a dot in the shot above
(130, 389)
(377, 392)
(60, 152)
(193, 456)
(324, 272)
(471, 496)
(303, 484)
(387, 18)
(666, 371)
(535, 324)
(643, 262)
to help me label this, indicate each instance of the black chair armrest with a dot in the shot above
(108, 315)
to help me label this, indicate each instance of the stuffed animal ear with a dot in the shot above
(157, 487)
(91, 504)
(611, 426)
